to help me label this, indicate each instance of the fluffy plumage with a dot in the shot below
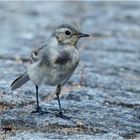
(53, 62)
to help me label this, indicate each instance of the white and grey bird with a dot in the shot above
(53, 62)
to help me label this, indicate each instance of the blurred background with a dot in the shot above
(106, 84)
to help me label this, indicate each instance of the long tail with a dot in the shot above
(20, 81)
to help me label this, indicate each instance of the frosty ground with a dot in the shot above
(102, 98)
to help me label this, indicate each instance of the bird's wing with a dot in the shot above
(34, 54)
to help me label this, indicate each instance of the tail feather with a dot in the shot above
(20, 81)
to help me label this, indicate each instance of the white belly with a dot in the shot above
(58, 75)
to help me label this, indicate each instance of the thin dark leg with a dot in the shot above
(37, 101)
(58, 91)
(38, 109)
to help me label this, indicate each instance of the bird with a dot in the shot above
(53, 62)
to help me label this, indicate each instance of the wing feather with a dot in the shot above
(34, 54)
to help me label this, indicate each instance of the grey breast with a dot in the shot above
(63, 58)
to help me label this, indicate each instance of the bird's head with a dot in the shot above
(68, 35)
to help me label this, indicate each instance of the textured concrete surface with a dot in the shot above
(102, 97)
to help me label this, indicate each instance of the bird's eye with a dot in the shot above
(67, 32)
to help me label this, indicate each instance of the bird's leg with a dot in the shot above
(58, 91)
(37, 100)
(38, 109)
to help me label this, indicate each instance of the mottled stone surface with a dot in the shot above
(102, 98)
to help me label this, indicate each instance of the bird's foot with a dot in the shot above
(40, 111)
(61, 115)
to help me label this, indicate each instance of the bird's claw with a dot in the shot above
(61, 115)
(40, 111)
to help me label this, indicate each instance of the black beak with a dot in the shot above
(83, 35)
